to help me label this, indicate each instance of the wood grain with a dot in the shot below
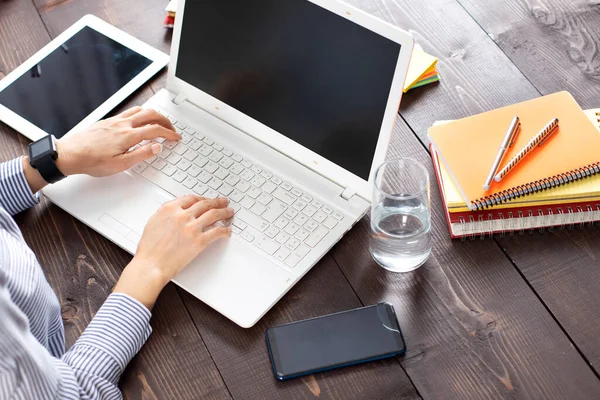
(476, 76)
(243, 360)
(555, 43)
(473, 327)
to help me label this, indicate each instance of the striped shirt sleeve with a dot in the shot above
(15, 193)
(90, 369)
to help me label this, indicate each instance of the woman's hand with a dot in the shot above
(103, 149)
(172, 239)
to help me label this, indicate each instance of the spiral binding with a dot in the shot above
(533, 187)
(484, 225)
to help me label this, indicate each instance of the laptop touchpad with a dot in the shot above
(134, 212)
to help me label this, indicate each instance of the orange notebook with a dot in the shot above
(468, 147)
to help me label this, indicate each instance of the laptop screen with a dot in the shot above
(307, 73)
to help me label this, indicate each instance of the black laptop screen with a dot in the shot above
(303, 71)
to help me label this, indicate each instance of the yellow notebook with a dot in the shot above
(467, 148)
(583, 190)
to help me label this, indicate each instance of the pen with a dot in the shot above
(509, 140)
(537, 141)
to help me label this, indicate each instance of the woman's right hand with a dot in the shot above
(172, 239)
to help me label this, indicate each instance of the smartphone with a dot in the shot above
(334, 341)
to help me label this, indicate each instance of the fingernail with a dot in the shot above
(156, 148)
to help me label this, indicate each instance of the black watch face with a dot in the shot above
(41, 148)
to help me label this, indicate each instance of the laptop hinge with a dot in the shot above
(348, 193)
(180, 98)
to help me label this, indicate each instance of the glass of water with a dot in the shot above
(400, 215)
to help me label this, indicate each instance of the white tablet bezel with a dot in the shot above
(294, 150)
(158, 58)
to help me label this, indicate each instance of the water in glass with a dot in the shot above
(400, 216)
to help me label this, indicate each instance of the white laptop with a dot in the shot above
(286, 108)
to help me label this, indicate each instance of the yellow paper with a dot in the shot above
(420, 64)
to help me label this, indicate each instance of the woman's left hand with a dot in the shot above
(103, 148)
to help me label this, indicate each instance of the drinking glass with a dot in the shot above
(400, 215)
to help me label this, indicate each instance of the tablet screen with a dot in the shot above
(73, 81)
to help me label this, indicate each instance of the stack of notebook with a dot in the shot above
(422, 70)
(557, 185)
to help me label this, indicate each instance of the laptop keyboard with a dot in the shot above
(279, 219)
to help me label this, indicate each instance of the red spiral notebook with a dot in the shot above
(568, 205)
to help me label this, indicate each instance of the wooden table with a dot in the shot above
(512, 317)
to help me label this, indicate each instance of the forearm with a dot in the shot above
(141, 281)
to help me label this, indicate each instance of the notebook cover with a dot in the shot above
(582, 190)
(467, 147)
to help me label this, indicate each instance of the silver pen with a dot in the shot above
(509, 140)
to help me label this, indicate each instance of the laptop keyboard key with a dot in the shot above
(301, 235)
(236, 195)
(184, 165)
(189, 182)
(237, 158)
(253, 220)
(200, 189)
(309, 211)
(191, 155)
(139, 167)
(287, 186)
(253, 192)
(311, 225)
(284, 196)
(292, 260)
(269, 187)
(221, 173)
(282, 254)
(178, 176)
(169, 170)
(266, 245)
(316, 237)
(247, 202)
(258, 209)
(282, 237)
(274, 211)
(194, 170)
(247, 237)
(320, 216)
(225, 190)
(293, 244)
(330, 222)
(272, 231)
(211, 167)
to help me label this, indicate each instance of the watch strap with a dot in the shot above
(48, 170)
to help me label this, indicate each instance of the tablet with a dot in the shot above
(76, 79)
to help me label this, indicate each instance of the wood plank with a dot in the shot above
(530, 24)
(555, 43)
(476, 75)
(243, 360)
(564, 269)
(473, 327)
(82, 267)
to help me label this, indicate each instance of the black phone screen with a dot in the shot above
(335, 340)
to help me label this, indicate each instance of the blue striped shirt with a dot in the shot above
(33, 361)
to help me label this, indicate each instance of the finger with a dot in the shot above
(187, 201)
(216, 233)
(128, 113)
(150, 117)
(208, 204)
(214, 215)
(150, 132)
(140, 154)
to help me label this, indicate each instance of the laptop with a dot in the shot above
(286, 108)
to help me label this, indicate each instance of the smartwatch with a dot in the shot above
(42, 156)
